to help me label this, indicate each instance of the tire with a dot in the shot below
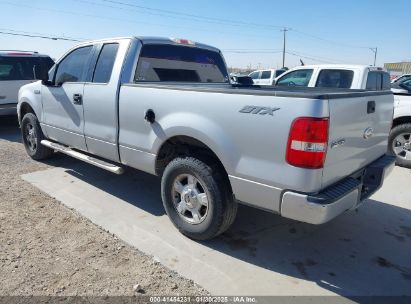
(399, 144)
(32, 135)
(205, 222)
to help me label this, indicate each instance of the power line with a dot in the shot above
(173, 14)
(41, 34)
(328, 41)
(208, 19)
(252, 52)
(313, 57)
(38, 36)
(119, 19)
(226, 21)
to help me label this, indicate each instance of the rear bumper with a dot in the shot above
(8, 109)
(347, 194)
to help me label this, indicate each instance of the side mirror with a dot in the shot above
(45, 79)
(46, 82)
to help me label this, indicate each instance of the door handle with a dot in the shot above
(77, 99)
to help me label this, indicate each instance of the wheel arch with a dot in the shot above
(401, 120)
(24, 108)
(184, 145)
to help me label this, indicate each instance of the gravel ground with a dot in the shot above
(48, 249)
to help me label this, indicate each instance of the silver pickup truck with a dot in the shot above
(167, 107)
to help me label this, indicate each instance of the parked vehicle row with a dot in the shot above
(167, 107)
(361, 77)
(265, 77)
(336, 76)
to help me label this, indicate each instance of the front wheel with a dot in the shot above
(399, 144)
(197, 198)
(32, 136)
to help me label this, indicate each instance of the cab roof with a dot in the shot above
(158, 40)
(338, 66)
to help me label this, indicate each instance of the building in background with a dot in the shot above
(398, 68)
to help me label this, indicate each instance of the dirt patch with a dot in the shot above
(48, 249)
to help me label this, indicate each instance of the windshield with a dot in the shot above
(180, 64)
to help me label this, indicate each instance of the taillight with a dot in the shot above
(307, 142)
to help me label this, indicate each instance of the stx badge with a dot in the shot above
(258, 110)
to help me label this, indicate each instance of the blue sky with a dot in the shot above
(248, 32)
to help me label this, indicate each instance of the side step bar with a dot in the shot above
(81, 156)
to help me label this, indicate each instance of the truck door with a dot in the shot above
(63, 101)
(100, 100)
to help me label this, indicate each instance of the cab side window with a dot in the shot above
(377, 81)
(73, 67)
(265, 74)
(105, 63)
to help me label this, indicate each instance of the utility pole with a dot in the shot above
(375, 51)
(284, 30)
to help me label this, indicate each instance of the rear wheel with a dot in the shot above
(32, 136)
(400, 144)
(197, 198)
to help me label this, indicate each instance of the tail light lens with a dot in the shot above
(307, 142)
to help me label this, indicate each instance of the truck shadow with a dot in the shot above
(359, 253)
(9, 129)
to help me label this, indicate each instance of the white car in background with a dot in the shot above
(265, 77)
(18, 68)
(336, 76)
(366, 78)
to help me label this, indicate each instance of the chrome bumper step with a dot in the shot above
(84, 157)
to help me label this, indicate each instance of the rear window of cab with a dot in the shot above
(161, 63)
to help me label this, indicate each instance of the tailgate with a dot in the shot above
(358, 133)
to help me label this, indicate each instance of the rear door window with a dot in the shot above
(265, 74)
(300, 78)
(335, 79)
(372, 81)
(105, 63)
(162, 62)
